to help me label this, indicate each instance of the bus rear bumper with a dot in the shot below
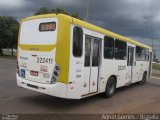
(57, 90)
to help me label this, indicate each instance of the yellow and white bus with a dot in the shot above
(65, 57)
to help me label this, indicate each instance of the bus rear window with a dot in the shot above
(49, 26)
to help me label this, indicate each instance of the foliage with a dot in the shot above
(45, 10)
(8, 32)
(156, 66)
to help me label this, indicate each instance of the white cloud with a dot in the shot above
(11, 3)
(66, 2)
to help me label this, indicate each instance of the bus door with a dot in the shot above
(130, 64)
(91, 64)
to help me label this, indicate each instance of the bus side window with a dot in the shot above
(147, 55)
(108, 47)
(138, 53)
(143, 54)
(120, 50)
(77, 41)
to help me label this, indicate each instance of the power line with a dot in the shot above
(142, 6)
(150, 19)
(87, 12)
(156, 45)
(151, 15)
(143, 16)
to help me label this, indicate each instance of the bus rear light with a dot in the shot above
(57, 69)
(55, 75)
(54, 80)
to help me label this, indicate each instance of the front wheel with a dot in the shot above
(110, 87)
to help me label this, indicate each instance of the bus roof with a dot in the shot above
(88, 26)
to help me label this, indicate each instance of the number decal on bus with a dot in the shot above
(44, 60)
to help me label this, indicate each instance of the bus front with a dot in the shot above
(37, 68)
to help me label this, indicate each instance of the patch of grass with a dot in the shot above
(156, 66)
(8, 57)
(155, 75)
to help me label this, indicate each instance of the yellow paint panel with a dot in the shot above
(41, 48)
(63, 48)
(39, 17)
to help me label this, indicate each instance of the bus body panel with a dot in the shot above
(63, 47)
(75, 80)
(50, 46)
(36, 61)
(58, 89)
(31, 69)
(78, 74)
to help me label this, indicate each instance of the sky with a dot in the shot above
(136, 19)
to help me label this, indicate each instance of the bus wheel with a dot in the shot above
(144, 78)
(110, 87)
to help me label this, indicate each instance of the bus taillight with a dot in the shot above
(55, 75)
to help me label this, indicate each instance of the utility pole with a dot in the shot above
(152, 39)
(87, 12)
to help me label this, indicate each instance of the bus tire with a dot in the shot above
(110, 87)
(144, 78)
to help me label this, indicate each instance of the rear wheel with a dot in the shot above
(144, 78)
(110, 87)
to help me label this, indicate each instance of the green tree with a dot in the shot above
(75, 15)
(45, 10)
(9, 27)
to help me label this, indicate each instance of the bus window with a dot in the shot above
(77, 41)
(143, 54)
(138, 53)
(120, 50)
(87, 51)
(147, 55)
(108, 47)
(96, 52)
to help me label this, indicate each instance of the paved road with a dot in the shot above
(133, 99)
